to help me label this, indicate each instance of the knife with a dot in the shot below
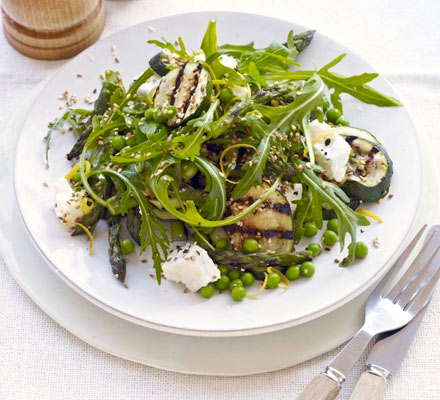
(384, 360)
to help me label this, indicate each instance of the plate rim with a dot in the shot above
(227, 332)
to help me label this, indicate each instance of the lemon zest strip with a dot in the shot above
(261, 290)
(371, 214)
(86, 230)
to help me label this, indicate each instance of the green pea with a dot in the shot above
(224, 269)
(221, 244)
(225, 95)
(352, 153)
(325, 105)
(361, 250)
(118, 142)
(342, 121)
(238, 293)
(127, 246)
(234, 283)
(251, 246)
(333, 114)
(333, 225)
(207, 291)
(307, 269)
(247, 278)
(310, 229)
(76, 177)
(315, 249)
(330, 238)
(293, 273)
(149, 114)
(273, 280)
(222, 283)
(233, 274)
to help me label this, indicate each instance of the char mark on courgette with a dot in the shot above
(188, 89)
(259, 260)
(270, 224)
(369, 170)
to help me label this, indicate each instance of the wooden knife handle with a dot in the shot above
(369, 387)
(320, 388)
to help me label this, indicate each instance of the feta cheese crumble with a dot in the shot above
(228, 61)
(241, 91)
(331, 150)
(69, 205)
(190, 265)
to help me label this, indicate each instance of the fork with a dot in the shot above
(389, 307)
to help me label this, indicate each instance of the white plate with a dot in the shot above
(152, 347)
(167, 307)
(144, 345)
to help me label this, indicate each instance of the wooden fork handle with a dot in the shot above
(369, 387)
(320, 388)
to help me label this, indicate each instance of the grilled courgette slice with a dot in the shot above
(369, 171)
(271, 224)
(164, 61)
(351, 133)
(187, 88)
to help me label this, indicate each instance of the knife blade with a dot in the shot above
(390, 348)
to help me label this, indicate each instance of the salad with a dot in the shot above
(220, 160)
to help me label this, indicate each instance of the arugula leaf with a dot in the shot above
(355, 85)
(209, 41)
(209, 47)
(281, 120)
(192, 143)
(144, 151)
(165, 44)
(215, 204)
(326, 192)
(191, 215)
(255, 167)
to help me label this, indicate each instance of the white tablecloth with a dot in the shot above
(40, 360)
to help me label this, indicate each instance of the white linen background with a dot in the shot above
(40, 360)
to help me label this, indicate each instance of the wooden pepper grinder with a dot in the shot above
(52, 29)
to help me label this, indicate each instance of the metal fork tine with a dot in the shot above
(423, 295)
(395, 269)
(433, 236)
(429, 269)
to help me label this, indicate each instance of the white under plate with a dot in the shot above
(152, 347)
(167, 307)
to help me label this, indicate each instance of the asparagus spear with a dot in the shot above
(134, 224)
(117, 260)
(100, 106)
(90, 220)
(302, 40)
(259, 260)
